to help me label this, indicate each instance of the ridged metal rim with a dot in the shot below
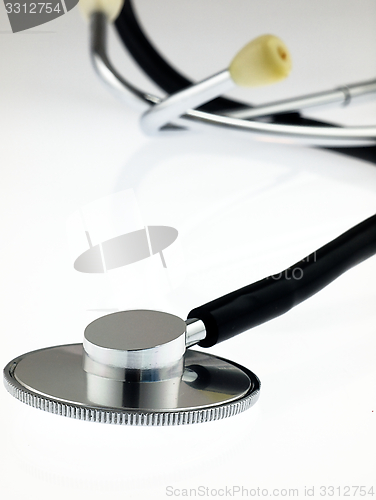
(129, 417)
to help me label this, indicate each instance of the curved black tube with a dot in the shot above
(266, 299)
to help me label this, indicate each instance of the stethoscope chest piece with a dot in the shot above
(132, 368)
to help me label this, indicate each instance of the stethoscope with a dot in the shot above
(138, 367)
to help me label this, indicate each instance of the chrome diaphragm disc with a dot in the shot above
(205, 388)
(133, 367)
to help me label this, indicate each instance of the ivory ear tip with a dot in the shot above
(263, 61)
(111, 8)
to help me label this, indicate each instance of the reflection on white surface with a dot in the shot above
(244, 210)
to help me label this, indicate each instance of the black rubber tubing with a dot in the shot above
(273, 296)
(270, 297)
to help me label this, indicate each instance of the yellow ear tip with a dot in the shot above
(263, 61)
(111, 8)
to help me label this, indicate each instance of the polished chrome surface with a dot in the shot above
(342, 96)
(131, 374)
(135, 340)
(118, 86)
(179, 103)
(290, 134)
(195, 332)
(54, 380)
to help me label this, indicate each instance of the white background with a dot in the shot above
(243, 210)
